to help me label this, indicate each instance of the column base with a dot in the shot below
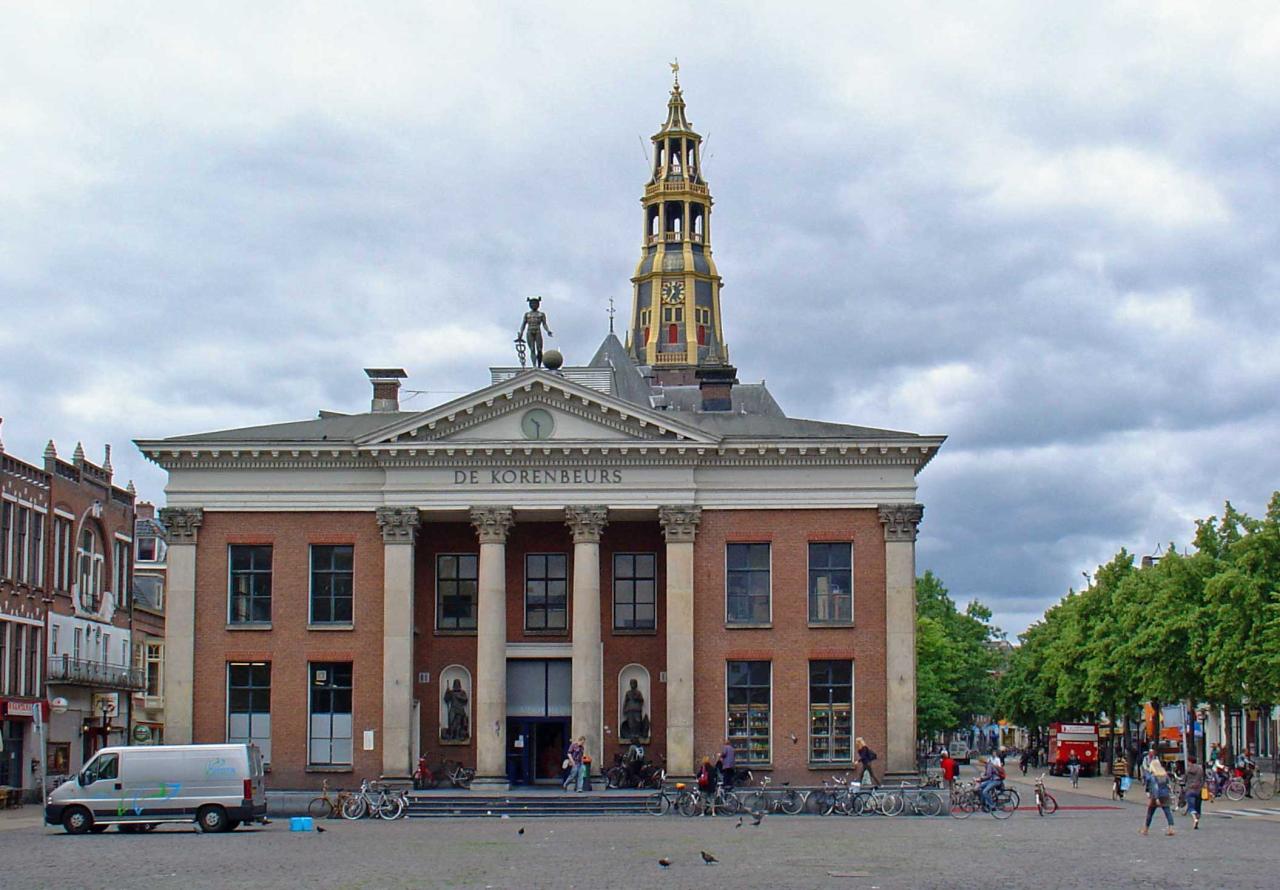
(489, 784)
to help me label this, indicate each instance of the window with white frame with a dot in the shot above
(89, 560)
(21, 559)
(122, 559)
(37, 549)
(61, 553)
(249, 704)
(6, 538)
(330, 712)
(155, 669)
(147, 550)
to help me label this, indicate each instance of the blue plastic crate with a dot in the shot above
(301, 823)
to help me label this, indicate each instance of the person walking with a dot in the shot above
(865, 756)
(577, 750)
(1193, 789)
(1157, 796)
(727, 759)
(949, 769)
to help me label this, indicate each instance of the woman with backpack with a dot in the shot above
(1157, 796)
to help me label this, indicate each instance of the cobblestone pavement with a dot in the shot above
(1085, 848)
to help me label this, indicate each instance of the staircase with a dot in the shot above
(464, 804)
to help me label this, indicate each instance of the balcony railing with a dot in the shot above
(81, 672)
(678, 185)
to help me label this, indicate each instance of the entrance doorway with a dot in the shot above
(538, 746)
(538, 710)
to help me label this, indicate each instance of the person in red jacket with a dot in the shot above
(949, 769)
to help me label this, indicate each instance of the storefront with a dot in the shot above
(19, 746)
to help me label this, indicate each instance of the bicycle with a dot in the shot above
(790, 801)
(922, 801)
(375, 800)
(325, 807)
(1232, 787)
(1263, 788)
(661, 801)
(722, 801)
(878, 801)
(1046, 803)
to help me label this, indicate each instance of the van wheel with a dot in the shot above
(77, 820)
(212, 819)
(233, 824)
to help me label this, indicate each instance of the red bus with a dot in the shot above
(1082, 738)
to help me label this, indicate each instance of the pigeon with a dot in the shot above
(757, 818)
(664, 862)
(321, 829)
(739, 825)
(521, 831)
(708, 858)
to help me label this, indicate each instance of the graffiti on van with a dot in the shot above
(164, 792)
(219, 768)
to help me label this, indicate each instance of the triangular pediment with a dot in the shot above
(537, 407)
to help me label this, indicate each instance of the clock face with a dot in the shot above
(673, 291)
(537, 424)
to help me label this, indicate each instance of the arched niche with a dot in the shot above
(627, 710)
(455, 705)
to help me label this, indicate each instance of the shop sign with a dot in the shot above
(20, 708)
(142, 733)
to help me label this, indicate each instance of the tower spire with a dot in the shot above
(675, 322)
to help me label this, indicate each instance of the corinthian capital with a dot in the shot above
(399, 524)
(901, 521)
(182, 524)
(492, 523)
(586, 523)
(679, 524)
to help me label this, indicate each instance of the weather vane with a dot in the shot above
(612, 312)
(675, 70)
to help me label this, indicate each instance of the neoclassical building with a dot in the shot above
(640, 546)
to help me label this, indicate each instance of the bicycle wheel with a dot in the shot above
(657, 804)
(688, 804)
(1263, 789)
(792, 802)
(824, 802)
(731, 805)
(1004, 804)
(891, 803)
(320, 808)
(614, 777)
(756, 802)
(1048, 804)
(964, 805)
(928, 803)
(355, 807)
(391, 807)
(1235, 788)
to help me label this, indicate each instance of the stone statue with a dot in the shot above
(635, 725)
(531, 329)
(455, 700)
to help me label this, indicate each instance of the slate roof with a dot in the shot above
(755, 413)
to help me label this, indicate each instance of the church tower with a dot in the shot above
(675, 315)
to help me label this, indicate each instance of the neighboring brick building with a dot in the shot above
(66, 536)
(485, 579)
(146, 725)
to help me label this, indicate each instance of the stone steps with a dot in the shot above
(463, 805)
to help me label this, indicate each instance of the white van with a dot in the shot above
(216, 786)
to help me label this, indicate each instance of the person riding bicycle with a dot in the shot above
(1246, 768)
(1073, 767)
(1219, 776)
(992, 780)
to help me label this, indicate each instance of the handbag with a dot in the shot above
(1125, 782)
(1204, 793)
(567, 763)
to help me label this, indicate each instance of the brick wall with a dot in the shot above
(790, 643)
(289, 645)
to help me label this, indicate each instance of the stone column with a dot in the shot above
(490, 694)
(399, 532)
(182, 527)
(900, 523)
(587, 524)
(680, 525)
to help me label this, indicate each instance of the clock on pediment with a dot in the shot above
(673, 291)
(537, 423)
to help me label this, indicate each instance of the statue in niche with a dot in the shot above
(535, 320)
(635, 724)
(459, 724)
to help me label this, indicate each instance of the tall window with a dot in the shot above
(121, 556)
(155, 669)
(747, 583)
(6, 538)
(249, 704)
(831, 583)
(831, 711)
(147, 549)
(457, 577)
(748, 700)
(635, 591)
(21, 562)
(89, 570)
(330, 713)
(32, 670)
(250, 584)
(4, 658)
(37, 549)
(546, 598)
(331, 583)
(61, 553)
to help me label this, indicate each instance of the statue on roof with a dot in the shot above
(531, 330)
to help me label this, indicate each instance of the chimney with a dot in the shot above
(386, 388)
(146, 510)
(715, 383)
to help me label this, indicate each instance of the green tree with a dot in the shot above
(954, 659)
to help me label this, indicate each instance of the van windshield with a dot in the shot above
(106, 766)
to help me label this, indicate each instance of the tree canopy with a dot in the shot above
(954, 659)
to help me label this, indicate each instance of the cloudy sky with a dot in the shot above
(1049, 231)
